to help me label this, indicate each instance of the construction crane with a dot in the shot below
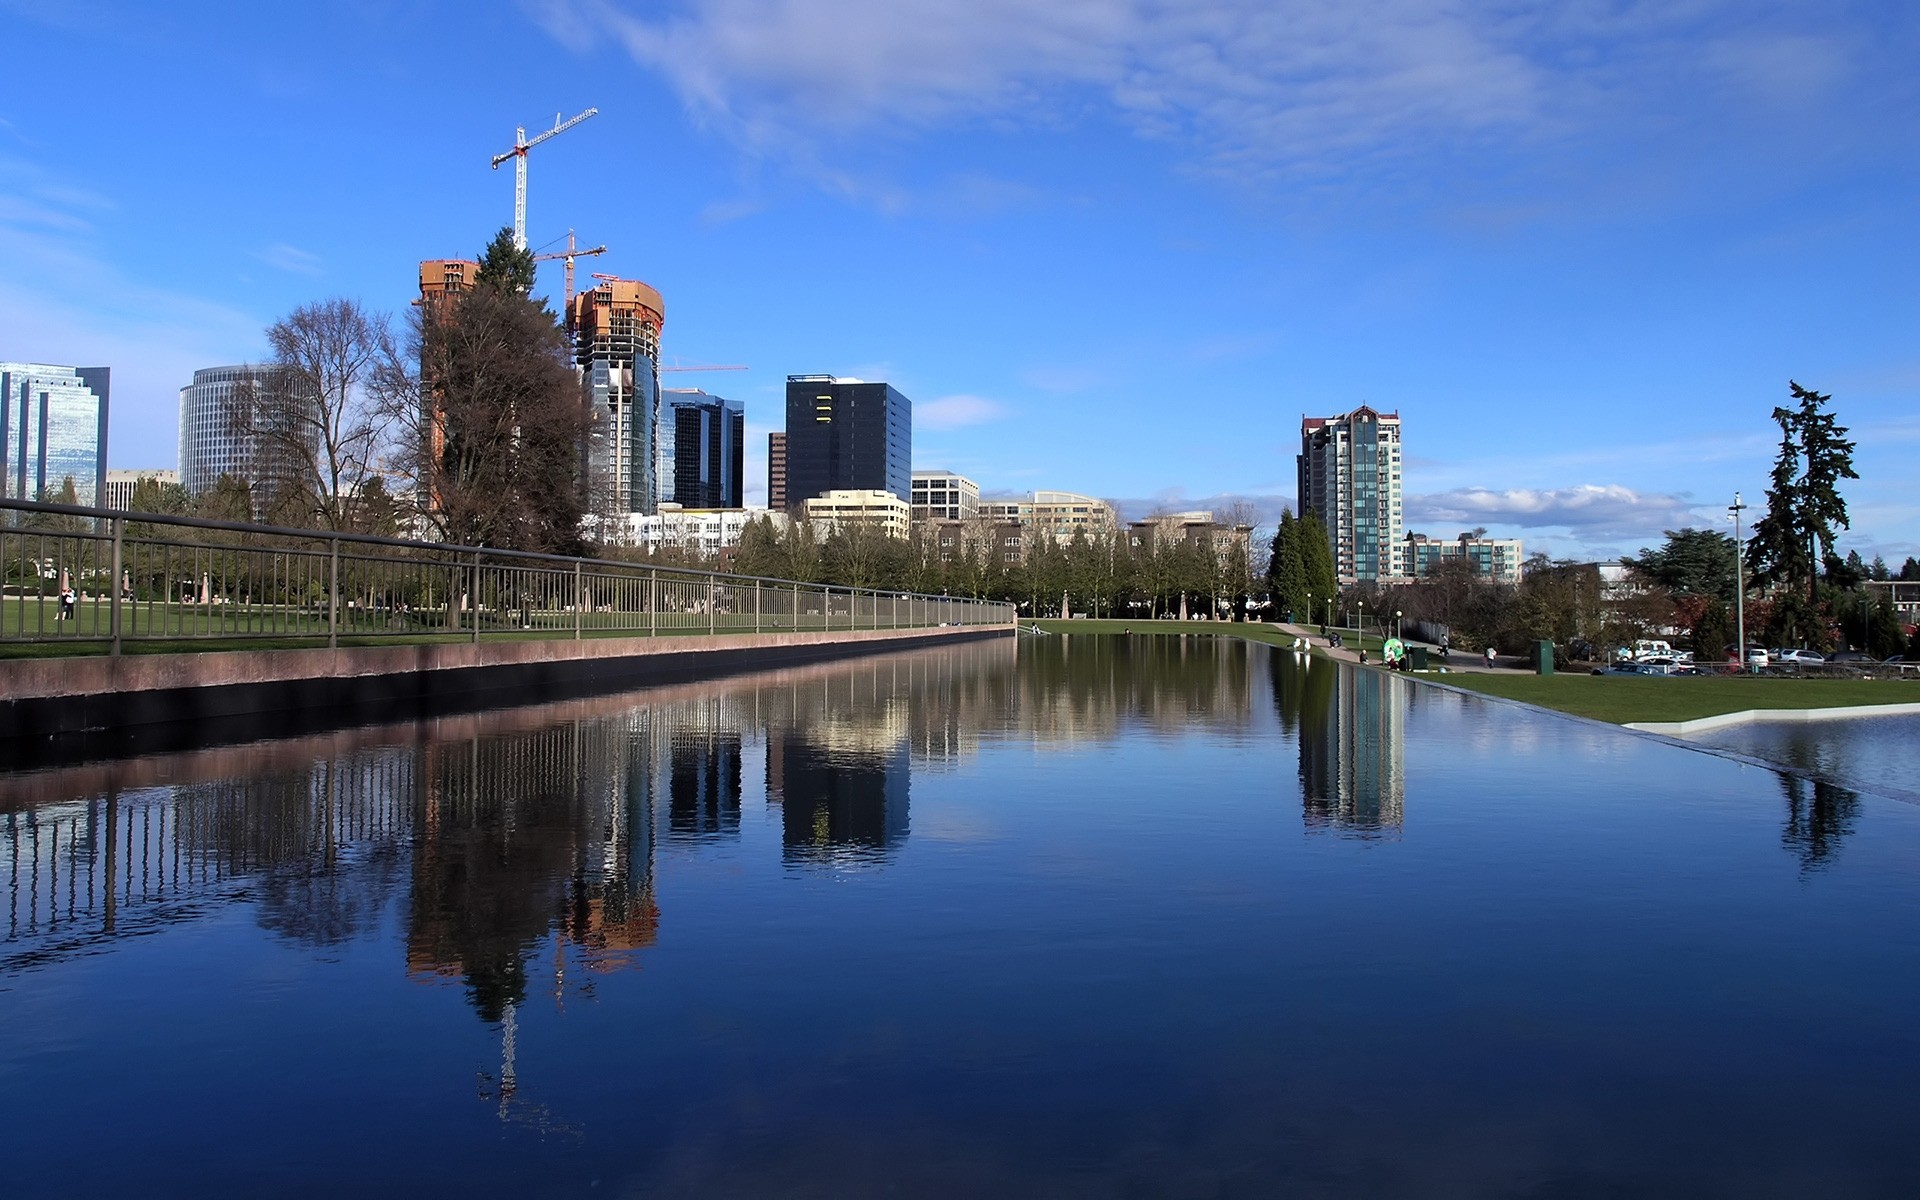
(569, 254)
(519, 156)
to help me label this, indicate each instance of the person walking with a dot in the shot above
(68, 602)
(1489, 658)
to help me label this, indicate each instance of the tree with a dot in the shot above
(1804, 505)
(1316, 555)
(497, 423)
(1287, 571)
(505, 265)
(1693, 562)
(311, 415)
(1910, 569)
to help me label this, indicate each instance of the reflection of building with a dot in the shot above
(703, 784)
(1352, 730)
(839, 509)
(847, 434)
(1350, 475)
(53, 427)
(838, 806)
(944, 496)
(616, 336)
(702, 449)
(1495, 559)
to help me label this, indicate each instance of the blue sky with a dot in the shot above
(1111, 246)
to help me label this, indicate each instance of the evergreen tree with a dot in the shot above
(1804, 505)
(1316, 554)
(506, 266)
(1693, 562)
(1287, 572)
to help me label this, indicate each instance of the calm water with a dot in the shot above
(1878, 754)
(1081, 917)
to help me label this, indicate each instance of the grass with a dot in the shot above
(1624, 698)
(1618, 699)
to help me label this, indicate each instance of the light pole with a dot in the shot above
(1739, 587)
(1396, 622)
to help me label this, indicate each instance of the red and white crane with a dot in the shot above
(519, 156)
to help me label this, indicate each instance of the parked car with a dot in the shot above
(1850, 656)
(1802, 658)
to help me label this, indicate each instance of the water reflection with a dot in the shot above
(1351, 727)
(1820, 815)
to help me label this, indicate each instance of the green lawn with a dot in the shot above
(1624, 698)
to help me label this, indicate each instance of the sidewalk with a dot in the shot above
(1457, 662)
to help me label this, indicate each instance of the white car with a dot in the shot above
(1804, 658)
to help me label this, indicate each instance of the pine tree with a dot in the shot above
(1804, 505)
(506, 265)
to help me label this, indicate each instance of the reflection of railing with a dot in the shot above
(97, 576)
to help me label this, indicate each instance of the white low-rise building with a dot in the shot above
(884, 510)
(706, 531)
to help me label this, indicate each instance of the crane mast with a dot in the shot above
(518, 154)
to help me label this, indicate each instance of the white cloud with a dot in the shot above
(1596, 510)
(290, 258)
(955, 412)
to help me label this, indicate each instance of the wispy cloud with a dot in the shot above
(290, 258)
(955, 412)
(1589, 510)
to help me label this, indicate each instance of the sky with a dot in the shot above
(1118, 247)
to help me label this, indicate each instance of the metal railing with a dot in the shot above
(91, 576)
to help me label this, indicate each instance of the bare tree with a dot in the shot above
(311, 413)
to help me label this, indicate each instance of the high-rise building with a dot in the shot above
(217, 435)
(616, 339)
(944, 496)
(1350, 475)
(777, 471)
(53, 427)
(702, 449)
(847, 435)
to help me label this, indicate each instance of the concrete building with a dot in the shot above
(777, 471)
(702, 449)
(1058, 515)
(944, 496)
(53, 427)
(860, 506)
(1497, 559)
(217, 433)
(847, 435)
(709, 532)
(1349, 473)
(616, 336)
(120, 485)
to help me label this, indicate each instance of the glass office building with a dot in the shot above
(1349, 474)
(53, 428)
(847, 435)
(702, 449)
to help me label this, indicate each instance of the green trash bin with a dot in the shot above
(1419, 656)
(1543, 657)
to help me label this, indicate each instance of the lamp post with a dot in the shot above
(1739, 587)
(1361, 629)
(1396, 622)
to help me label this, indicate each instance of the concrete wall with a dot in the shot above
(288, 691)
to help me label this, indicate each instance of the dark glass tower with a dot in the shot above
(847, 434)
(702, 449)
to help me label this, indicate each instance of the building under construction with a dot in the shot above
(616, 341)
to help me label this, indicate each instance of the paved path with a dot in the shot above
(1456, 662)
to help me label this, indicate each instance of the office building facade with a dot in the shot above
(702, 449)
(1349, 473)
(616, 332)
(847, 435)
(1497, 559)
(121, 484)
(843, 508)
(777, 471)
(944, 496)
(53, 427)
(216, 433)
(1057, 515)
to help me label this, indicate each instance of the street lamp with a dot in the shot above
(1396, 622)
(1739, 587)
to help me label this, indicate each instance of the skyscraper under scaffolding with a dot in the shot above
(616, 341)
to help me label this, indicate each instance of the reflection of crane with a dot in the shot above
(519, 156)
(569, 254)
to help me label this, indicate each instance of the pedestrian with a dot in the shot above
(68, 602)
(1489, 658)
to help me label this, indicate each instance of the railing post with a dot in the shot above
(713, 608)
(796, 606)
(475, 614)
(333, 593)
(756, 606)
(653, 602)
(113, 607)
(579, 599)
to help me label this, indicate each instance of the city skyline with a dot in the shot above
(1582, 260)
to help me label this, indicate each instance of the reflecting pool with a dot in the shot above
(1068, 917)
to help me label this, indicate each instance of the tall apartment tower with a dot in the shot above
(847, 435)
(53, 427)
(616, 339)
(777, 471)
(702, 449)
(1350, 475)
